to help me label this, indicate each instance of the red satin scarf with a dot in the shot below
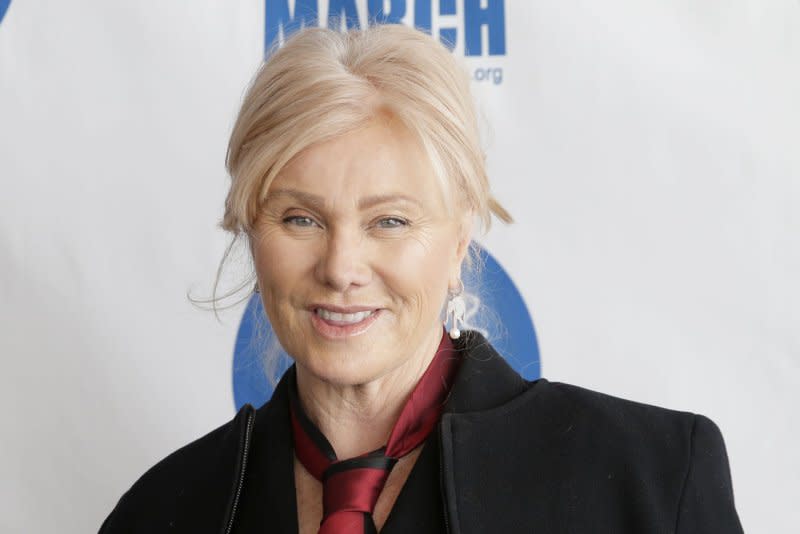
(351, 487)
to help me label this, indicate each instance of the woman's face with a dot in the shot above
(354, 251)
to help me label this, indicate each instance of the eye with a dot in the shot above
(391, 222)
(300, 220)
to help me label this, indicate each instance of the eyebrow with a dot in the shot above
(315, 201)
(318, 201)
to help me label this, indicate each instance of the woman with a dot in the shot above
(356, 176)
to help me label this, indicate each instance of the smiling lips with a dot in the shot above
(340, 323)
(343, 318)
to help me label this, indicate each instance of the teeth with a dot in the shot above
(349, 318)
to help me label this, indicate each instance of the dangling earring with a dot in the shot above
(255, 288)
(456, 310)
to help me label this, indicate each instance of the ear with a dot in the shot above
(463, 240)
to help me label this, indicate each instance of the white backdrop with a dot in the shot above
(647, 148)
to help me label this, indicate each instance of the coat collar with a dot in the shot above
(484, 380)
(475, 429)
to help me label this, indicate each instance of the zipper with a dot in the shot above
(248, 431)
(441, 476)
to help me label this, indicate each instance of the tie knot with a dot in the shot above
(354, 485)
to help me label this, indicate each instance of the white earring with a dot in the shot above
(255, 288)
(456, 310)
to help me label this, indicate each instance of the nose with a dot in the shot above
(343, 263)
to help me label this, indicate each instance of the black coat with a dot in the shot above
(516, 456)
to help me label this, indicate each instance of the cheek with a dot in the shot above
(281, 266)
(417, 272)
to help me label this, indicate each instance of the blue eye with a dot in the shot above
(300, 220)
(392, 222)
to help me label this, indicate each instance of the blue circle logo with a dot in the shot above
(502, 317)
(3, 8)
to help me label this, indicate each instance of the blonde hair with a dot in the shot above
(322, 83)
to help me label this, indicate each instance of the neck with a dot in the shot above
(359, 418)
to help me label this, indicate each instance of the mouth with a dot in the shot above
(337, 323)
(343, 318)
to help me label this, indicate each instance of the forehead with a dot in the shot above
(381, 158)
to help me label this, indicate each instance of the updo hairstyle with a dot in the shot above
(322, 84)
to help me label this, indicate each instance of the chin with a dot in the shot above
(346, 365)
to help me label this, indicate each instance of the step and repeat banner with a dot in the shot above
(649, 152)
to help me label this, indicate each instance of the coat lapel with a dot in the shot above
(490, 440)
(268, 500)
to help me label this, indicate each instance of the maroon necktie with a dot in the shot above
(350, 488)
